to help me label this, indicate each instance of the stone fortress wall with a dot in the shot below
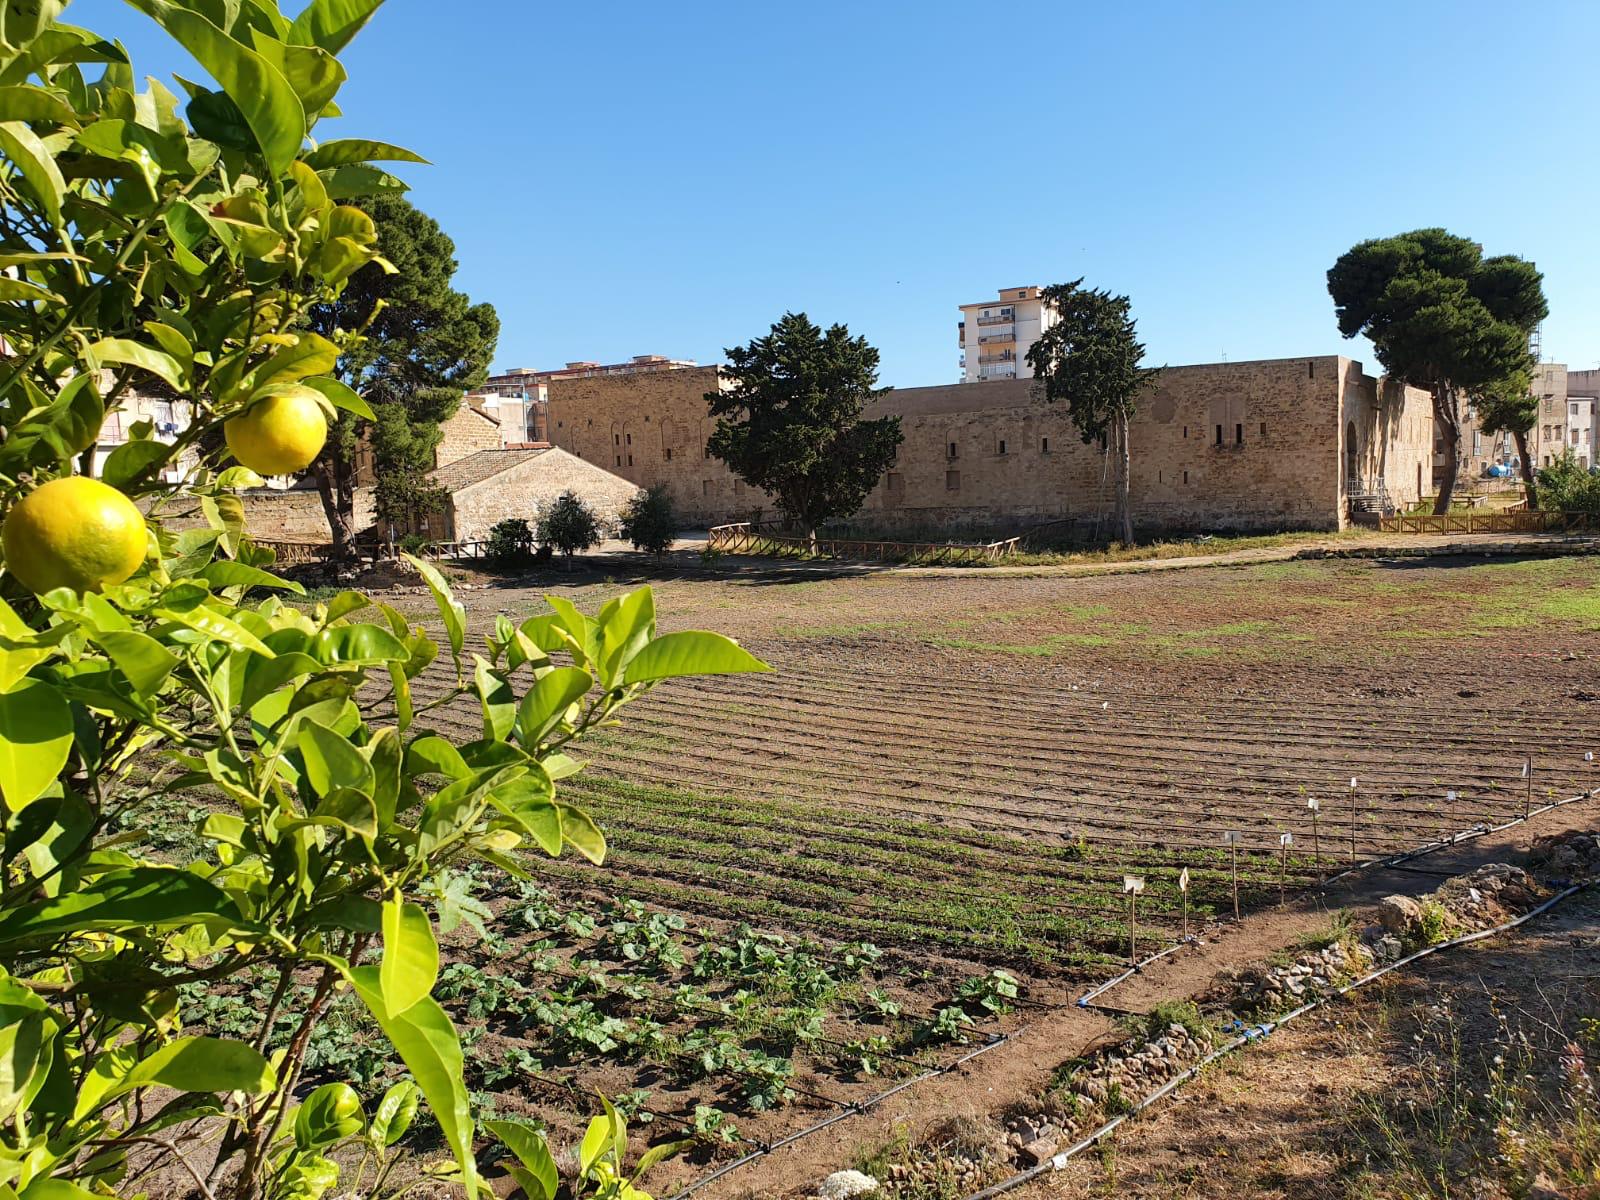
(1264, 445)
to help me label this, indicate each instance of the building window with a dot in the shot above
(707, 451)
(1238, 435)
(630, 460)
(629, 438)
(669, 453)
(1186, 433)
(1219, 435)
(1002, 446)
(616, 439)
(1311, 370)
(952, 481)
(559, 424)
(1158, 477)
(1186, 477)
(1044, 445)
(951, 452)
(619, 460)
(1263, 429)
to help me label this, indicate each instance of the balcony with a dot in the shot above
(1003, 356)
(1005, 319)
(997, 338)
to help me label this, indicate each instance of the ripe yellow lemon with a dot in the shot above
(74, 532)
(281, 434)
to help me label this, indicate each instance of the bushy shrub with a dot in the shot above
(510, 544)
(649, 522)
(569, 525)
(1566, 485)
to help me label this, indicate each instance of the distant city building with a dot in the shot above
(996, 334)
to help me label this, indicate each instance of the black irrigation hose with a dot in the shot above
(1086, 1001)
(846, 1111)
(1254, 1033)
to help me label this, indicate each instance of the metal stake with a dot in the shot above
(1527, 774)
(1352, 818)
(1316, 841)
(1183, 892)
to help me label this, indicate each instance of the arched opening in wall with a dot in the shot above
(1352, 456)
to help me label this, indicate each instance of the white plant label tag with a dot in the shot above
(1183, 880)
(1233, 837)
(1132, 884)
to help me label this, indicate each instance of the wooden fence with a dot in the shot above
(745, 537)
(1493, 522)
(292, 553)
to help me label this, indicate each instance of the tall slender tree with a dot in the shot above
(1441, 317)
(1509, 406)
(426, 345)
(1090, 360)
(791, 421)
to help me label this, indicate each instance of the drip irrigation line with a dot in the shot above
(846, 1111)
(1087, 1001)
(1251, 1034)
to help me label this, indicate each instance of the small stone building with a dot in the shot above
(490, 486)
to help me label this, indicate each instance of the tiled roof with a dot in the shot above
(475, 468)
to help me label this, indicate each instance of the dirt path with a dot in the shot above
(1024, 1065)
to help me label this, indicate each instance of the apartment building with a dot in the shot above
(996, 335)
(167, 419)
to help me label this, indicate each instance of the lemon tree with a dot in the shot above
(157, 240)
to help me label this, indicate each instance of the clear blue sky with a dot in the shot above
(625, 178)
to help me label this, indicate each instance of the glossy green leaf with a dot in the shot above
(342, 396)
(263, 95)
(35, 739)
(329, 1114)
(331, 23)
(498, 701)
(189, 1064)
(146, 358)
(315, 75)
(144, 661)
(451, 612)
(135, 898)
(433, 754)
(354, 812)
(394, 1113)
(30, 293)
(24, 102)
(692, 652)
(236, 574)
(22, 653)
(410, 964)
(361, 644)
(265, 675)
(312, 354)
(596, 1141)
(349, 151)
(358, 182)
(133, 462)
(36, 163)
(332, 762)
(529, 1145)
(529, 800)
(547, 701)
(427, 1044)
(217, 627)
(580, 832)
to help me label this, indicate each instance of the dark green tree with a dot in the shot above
(649, 522)
(1509, 406)
(569, 525)
(791, 423)
(426, 345)
(1089, 359)
(1441, 317)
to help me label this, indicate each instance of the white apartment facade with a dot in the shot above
(996, 335)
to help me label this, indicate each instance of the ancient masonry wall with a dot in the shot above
(1235, 446)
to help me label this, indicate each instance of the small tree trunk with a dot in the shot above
(1519, 438)
(338, 505)
(1447, 414)
(1124, 507)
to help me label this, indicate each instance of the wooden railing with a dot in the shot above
(1493, 522)
(292, 553)
(745, 537)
